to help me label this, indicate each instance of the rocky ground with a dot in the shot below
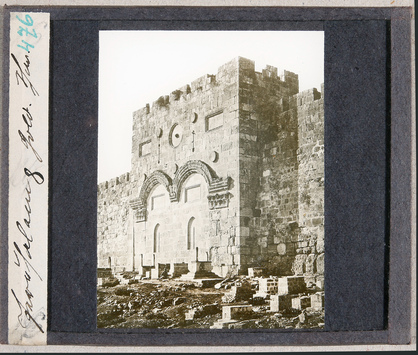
(166, 303)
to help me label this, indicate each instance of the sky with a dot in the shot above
(137, 67)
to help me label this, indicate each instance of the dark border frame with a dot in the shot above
(397, 167)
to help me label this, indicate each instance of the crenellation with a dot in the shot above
(270, 72)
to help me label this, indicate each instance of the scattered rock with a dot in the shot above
(173, 304)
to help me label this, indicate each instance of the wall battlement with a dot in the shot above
(306, 97)
(122, 179)
(223, 77)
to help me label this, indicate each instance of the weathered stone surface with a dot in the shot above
(310, 264)
(320, 247)
(234, 312)
(291, 285)
(281, 249)
(298, 267)
(301, 302)
(240, 291)
(255, 272)
(320, 263)
(317, 301)
(280, 302)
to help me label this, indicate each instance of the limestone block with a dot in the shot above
(268, 286)
(317, 301)
(309, 264)
(234, 312)
(320, 263)
(320, 247)
(255, 271)
(291, 285)
(301, 302)
(245, 232)
(319, 282)
(280, 302)
(298, 267)
(281, 249)
(302, 244)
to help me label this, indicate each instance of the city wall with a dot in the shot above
(256, 146)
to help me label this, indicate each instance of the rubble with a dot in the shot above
(240, 291)
(202, 311)
(109, 282)
(231, 304)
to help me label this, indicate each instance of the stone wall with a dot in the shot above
(289, 231)
(310, 249)
(276, 227)
(204, 114)
(114, 223)
(249, 148)
(263, 98)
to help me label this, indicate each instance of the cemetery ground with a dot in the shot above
(234, 303)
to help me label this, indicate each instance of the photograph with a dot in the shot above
(201, 177)
(210, 198)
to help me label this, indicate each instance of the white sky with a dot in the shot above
(137, 67)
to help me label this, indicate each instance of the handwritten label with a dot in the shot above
(28, 177)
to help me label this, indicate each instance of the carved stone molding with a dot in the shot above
(219, 184)
(217, 187)
(219, 200)
(140, 211)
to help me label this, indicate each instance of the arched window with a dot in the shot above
(157, 240)
(191, 234)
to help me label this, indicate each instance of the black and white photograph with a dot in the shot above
(210, 200)
(207, 176)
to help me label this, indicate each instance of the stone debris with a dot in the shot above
(180, 304)
(236, 312)
(232, 314)
(302, 317)
(240, 291)
(110, 282)
(178, 300)
(202, 311)
(224, 283)
(258, 212)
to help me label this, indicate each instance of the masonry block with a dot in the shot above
(235, 311)
(291, 285)
(317, 301)
(301, 302)
(280, 302)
